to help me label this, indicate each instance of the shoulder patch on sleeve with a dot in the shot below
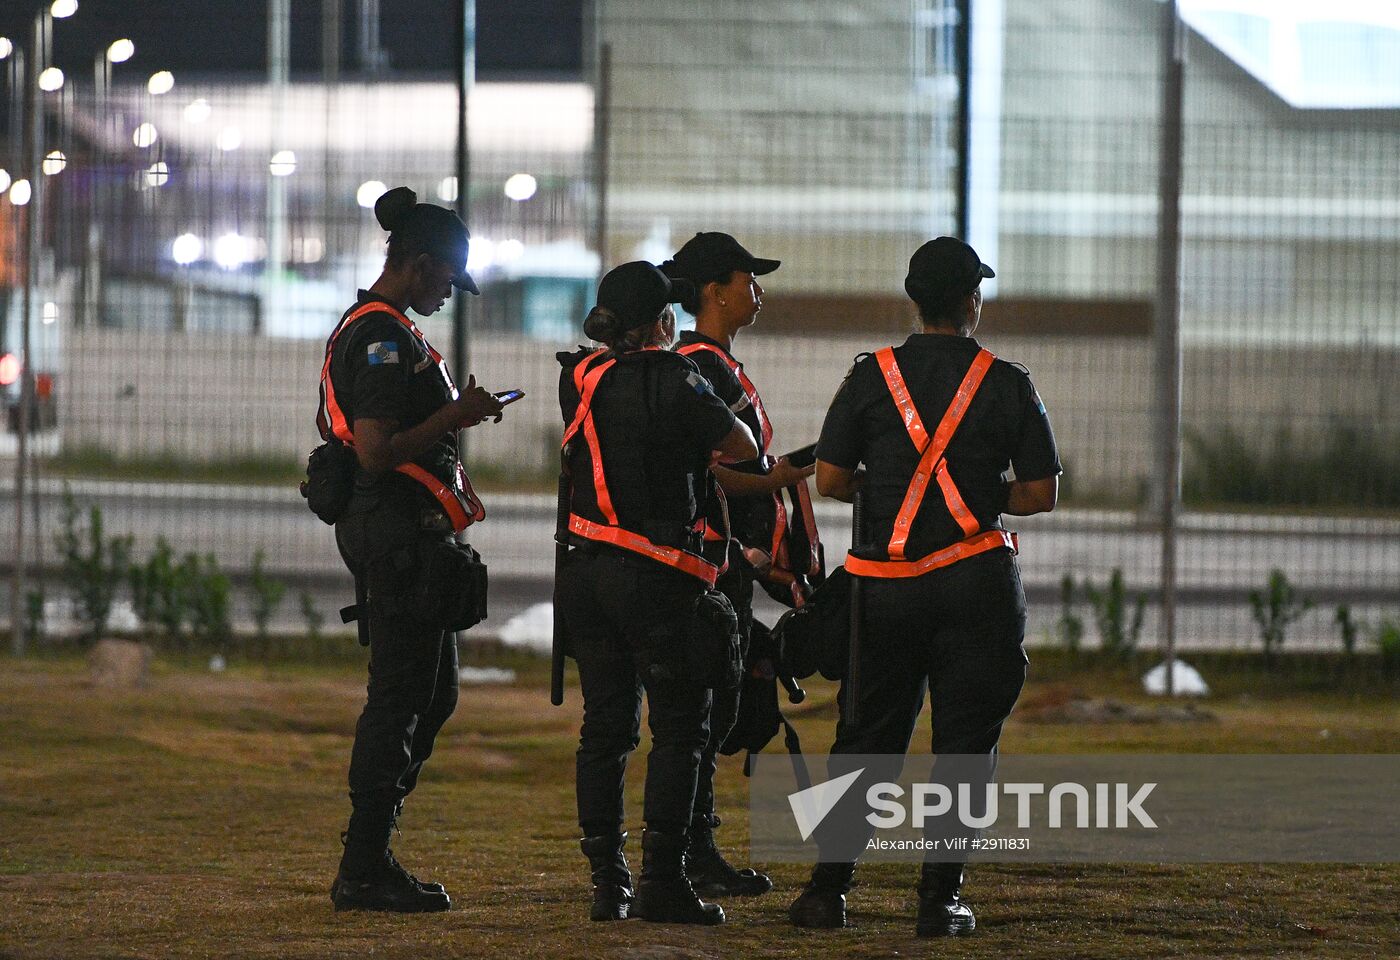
(383, 351)
(698, 383)
(739, 404)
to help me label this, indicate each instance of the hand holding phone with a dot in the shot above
(507, 397)
(803, 457)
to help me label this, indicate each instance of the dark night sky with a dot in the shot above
(515, 38)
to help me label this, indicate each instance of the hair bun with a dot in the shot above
(392, 210)
(671, 269)
(602, 325)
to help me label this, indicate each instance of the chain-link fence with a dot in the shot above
(197, 246)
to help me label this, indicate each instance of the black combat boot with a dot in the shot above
(710, 873)
(665, 894)
(941, 913)
(369, 877)
(822, 903)
(370, 880)
(426, 885)
(612, 881)
(392, 862)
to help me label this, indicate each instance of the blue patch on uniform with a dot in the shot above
(701, 385)
(383, 352)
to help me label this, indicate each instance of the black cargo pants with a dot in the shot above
(737, 585)
(956, 633)
(609, 603)
(412, 687)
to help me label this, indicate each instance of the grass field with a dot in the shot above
(199, 818)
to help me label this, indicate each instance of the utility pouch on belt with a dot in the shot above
(815, 638)
(450, 593)
(713, 641)
(330, 480)
(704, 647)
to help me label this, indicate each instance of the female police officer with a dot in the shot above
(727, 299)
(387, 394)
(936, 422)
(642, 427)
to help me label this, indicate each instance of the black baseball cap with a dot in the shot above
(708, 256)
(943, 268)
(438, 231)
(637, 292)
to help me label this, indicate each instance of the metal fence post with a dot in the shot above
(1167, 323)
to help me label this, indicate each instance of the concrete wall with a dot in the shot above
(214, 397)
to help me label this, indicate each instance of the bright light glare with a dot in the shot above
(521, 186)
(121, 50)
(162, 81)
(230, 138)
(63, 9)
(447, 190)
(6, 47)
(283, 163)
(509, 251)
(480, 255)
(9, 369)
(54, 162)
(50, 314)
(231, 251)
(186, 249)
(369, 192)
(20, 192)
(51, 80)
(4, 179)
(158, 174)
(145, 135)
(198, 111)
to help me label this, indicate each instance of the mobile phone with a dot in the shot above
(508, 397)
(803, 457)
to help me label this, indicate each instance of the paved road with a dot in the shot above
(1221, 556)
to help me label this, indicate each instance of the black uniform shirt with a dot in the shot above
(728, 388)
(381, 371)
(1005, 426)
(657, 421)
(751, 518)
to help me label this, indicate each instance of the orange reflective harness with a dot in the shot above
(932, 466)
(459, 502)
(587, 376)
(782, 570)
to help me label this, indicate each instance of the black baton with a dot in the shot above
(851, 717)
(561, 551)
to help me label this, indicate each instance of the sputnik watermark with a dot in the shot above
(935, 800)
(1098, 808)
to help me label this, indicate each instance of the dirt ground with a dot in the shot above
(199, 818)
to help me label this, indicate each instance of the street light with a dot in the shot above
(63, 9)
(7, 47)
(20, 192)
(51, 79)
(120, 51)
(4, 179)
(161, 82)
(283, 163)
(145, 135)
(54, 162)
(521, 186)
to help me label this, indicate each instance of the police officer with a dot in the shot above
(727, 299)
(388, 394)
(642, 427)
(936, 422)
